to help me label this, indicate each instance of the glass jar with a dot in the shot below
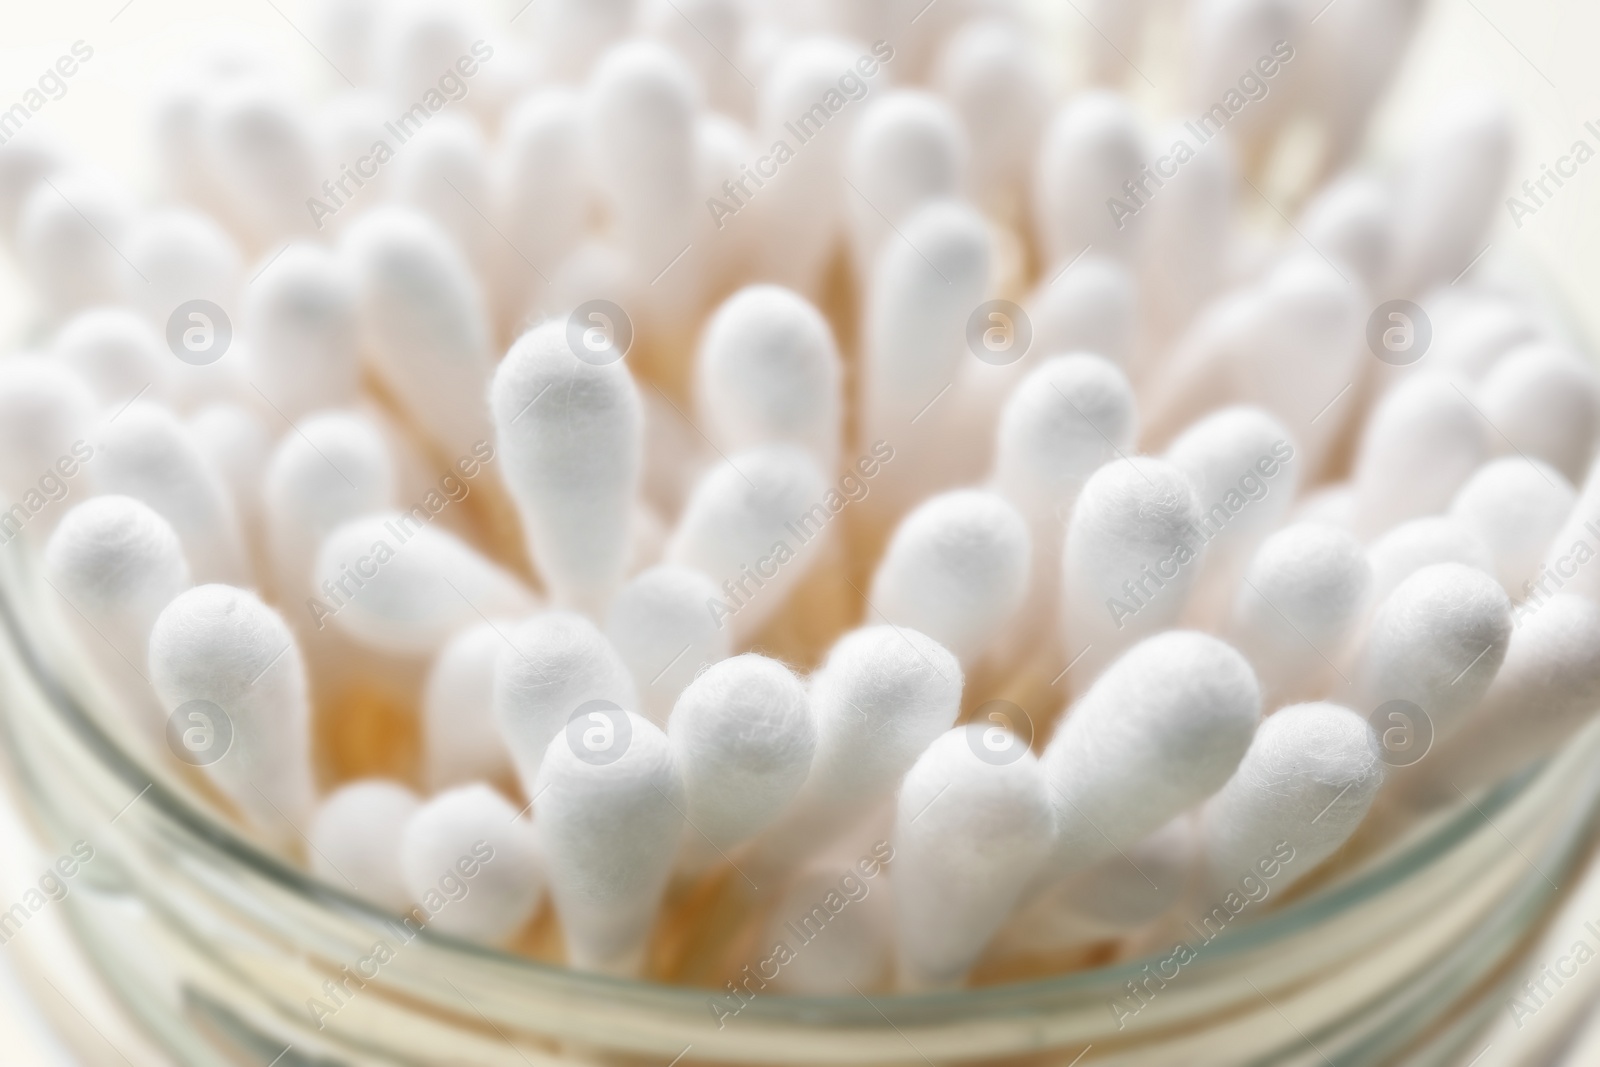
(213, 946)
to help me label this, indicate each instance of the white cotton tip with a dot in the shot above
(574, 33)
(1351, 55)
(1233, 38)
(1352, 220)
(610, 823)
(423, 322)
(906, 150)
(461, 740)
(181, 255)
(1114, 897)
(1301, 598)
(971, 832)
(838, 928)
(1132, 554)
(1436, 642)
(117, 353)
(300, 320)
(239, 446)
(802, 215)
(1246, 473)
(68, 233)
(334, 468)
(1064, 421)
(709, 35)
(1163, 728)
(146, 453)
(571, 460)
(261, 148)
(880, 698)
(444, 173)
(1069, 416)
(1449, 190)
(1087, 306)
(1292, 345)
(541, 190)
(46, 434)
(662, 625)
(227, 666)
(177, 129)
(956, 569)
(399, 585)
(1576, 545)
(1091, 146)
(1305, 784)
(1411, 546)
(1190, 233)
(1546, 403)
(754, 525)
(1470, 336)
(420, 43)
(118, 564)
(768, 370)
(356, 835)
(28, 157)
(725, 150)
(548, 668)
(1545, 691)
(742, 737)
(1517, 506)
(923, 290)
(349, 126)
(643, 104)
(1000, 87)
(1422, 442)
(471, 863)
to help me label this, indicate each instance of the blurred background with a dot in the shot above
(1538, 52)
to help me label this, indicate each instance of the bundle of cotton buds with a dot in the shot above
(632, 491)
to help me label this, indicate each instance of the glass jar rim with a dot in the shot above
(1323, 903)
